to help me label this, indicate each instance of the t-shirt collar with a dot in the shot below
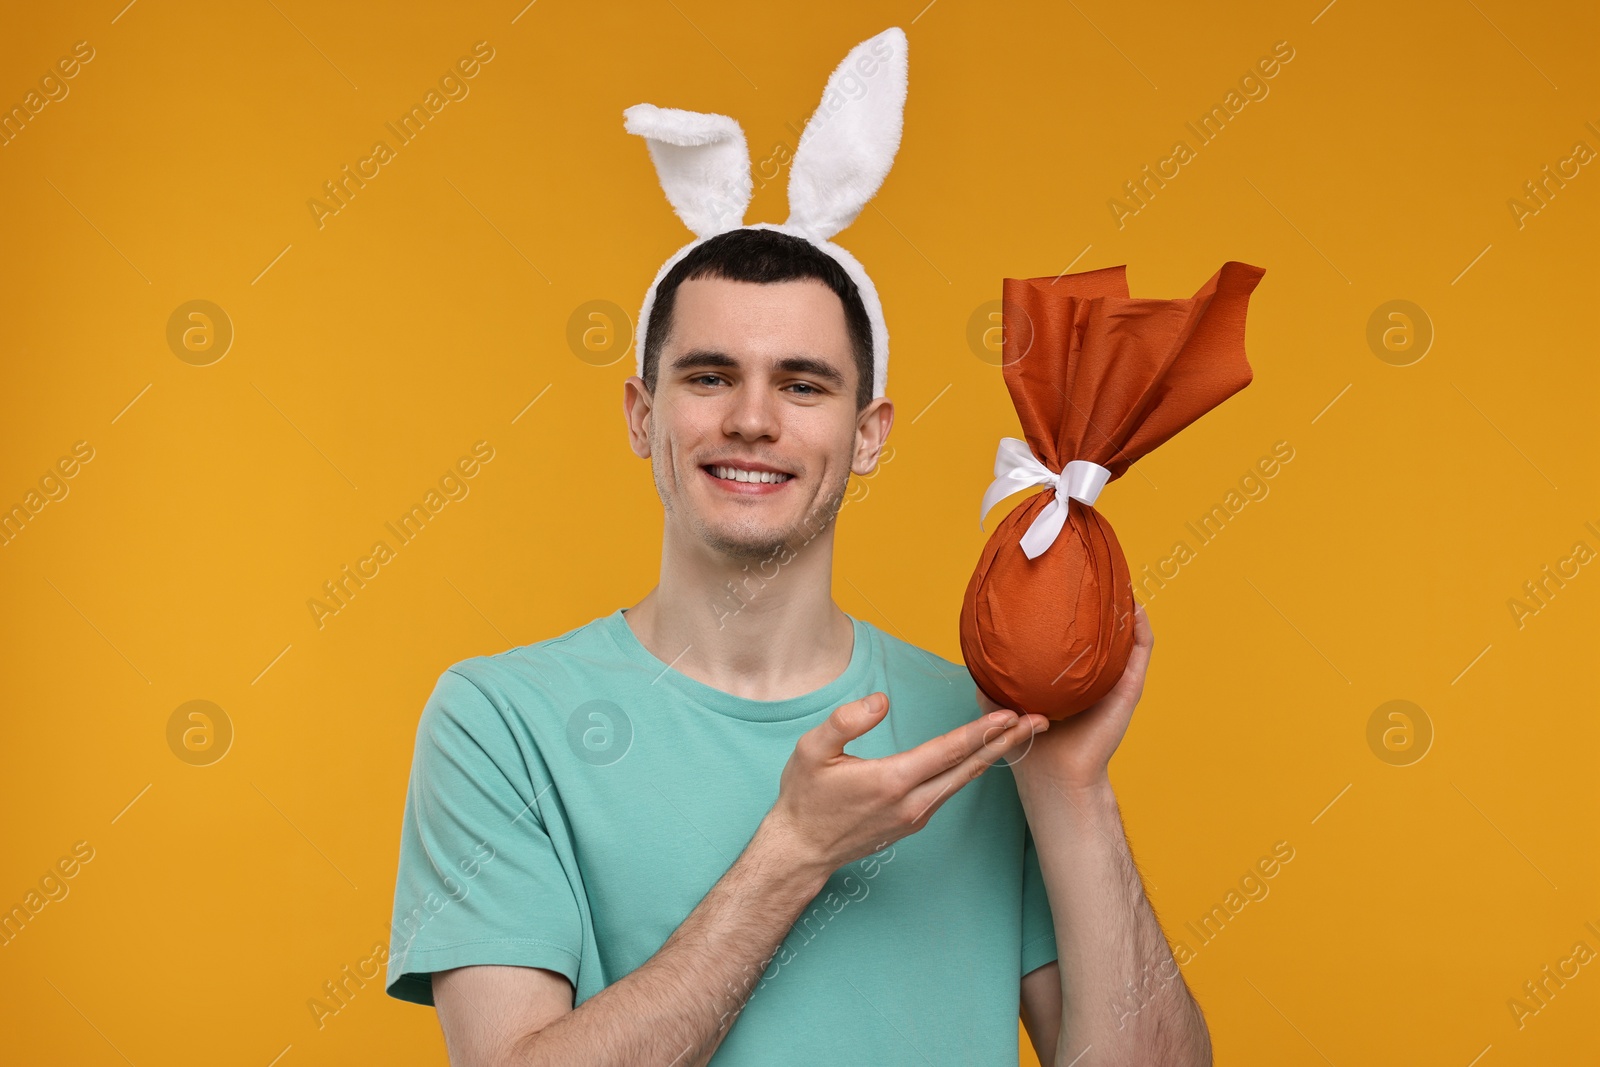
(841, 690)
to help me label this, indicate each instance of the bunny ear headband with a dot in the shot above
(843, 156)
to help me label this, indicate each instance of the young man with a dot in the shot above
(734, 820)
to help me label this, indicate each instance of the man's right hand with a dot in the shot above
(836, 808)
(676, 1007)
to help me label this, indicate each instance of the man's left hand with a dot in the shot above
(1075, 752)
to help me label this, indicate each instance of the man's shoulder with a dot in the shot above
(545, 666)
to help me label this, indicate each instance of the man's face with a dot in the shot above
(755, 378)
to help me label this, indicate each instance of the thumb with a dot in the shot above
(850, 721)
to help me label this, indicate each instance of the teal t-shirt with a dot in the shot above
(572, 800)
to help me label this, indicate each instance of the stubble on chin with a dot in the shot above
(743, 550)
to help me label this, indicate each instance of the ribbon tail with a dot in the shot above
(1044, 529)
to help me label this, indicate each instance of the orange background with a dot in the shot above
(433, 309)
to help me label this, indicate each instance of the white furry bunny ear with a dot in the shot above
(702, 161)
(851, 140)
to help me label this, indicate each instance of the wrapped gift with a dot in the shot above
(1099, 379)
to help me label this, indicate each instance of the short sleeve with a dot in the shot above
(479, 879)
(1038, 926)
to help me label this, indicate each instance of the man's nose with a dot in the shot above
(753, 411)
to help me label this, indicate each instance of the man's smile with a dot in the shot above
(747, 480)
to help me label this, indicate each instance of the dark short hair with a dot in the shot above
(763, 257)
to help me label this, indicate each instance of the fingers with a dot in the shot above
(1000, 743)
(848, 722)
(1142, 634)
(947, 751)
(1139, 658)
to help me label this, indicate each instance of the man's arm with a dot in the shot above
(1123, 999)
(674, 1009)
(1122, 995)
(833, 808)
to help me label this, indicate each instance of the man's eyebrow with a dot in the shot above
(702, 357)
(816, 367)
(706, 357)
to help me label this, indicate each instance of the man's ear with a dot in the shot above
(637, 408)
(872, 430)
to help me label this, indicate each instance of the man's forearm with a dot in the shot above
(1123, 996)
(676, 1008)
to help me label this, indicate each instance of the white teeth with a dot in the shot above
(737, 475)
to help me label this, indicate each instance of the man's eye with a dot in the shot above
(701, 378)
(807, 385)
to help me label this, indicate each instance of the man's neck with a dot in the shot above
(761, 631)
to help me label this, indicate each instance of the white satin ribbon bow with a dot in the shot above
(1016, 467)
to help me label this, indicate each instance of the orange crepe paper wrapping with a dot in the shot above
(1100, 376)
